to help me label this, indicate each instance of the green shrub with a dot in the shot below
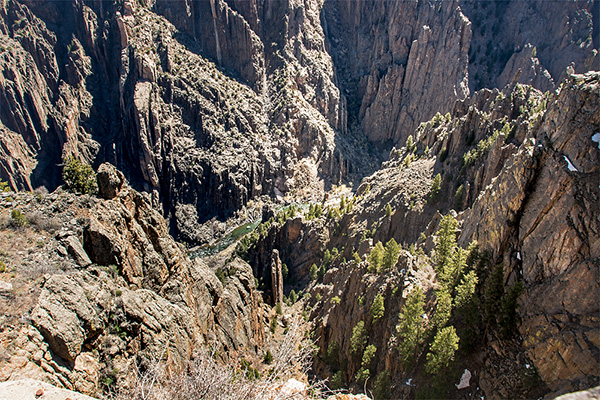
(79, 177)
(268, 357)
(17, 218)
(336, 300)
(4, 187)
(337, 381)
(368, 355)
(388, 210)
(362, 375)
(293, 296)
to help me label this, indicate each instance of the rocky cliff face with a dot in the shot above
(524, 190)
(138, 298)
(401, 62)
(202, 101)
(203, 121)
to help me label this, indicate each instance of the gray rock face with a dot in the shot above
(110, 181)
(75, 249)
(393, 60)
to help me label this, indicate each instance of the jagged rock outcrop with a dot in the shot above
(523, 176)
(110, 181)
(551, 239)
(561, 33)
(141, 297)
(276, 278)
(524, 67)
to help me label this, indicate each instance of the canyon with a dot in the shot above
(251, 155)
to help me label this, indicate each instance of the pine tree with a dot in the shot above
(377, 308)
(442, 350)
(443, 309)
(392, 251)
(436, 185)
(410, 144)
(376, 258)
(358, 341)
(465, 290)
(411, 326)
(388, 210)
(445, 243)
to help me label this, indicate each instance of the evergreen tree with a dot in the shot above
(411, 326)
(465, 290)
(376, 258)
(358, 341)
(436, 185)
(443, 309)
(445, 243)
(377, 308)
(442, 350)
(314, 271)
(410, 144)
(391, 254)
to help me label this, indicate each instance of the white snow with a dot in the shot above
(570, 164)
(518, 255)
(408, 382)
(596, 138)
(464, 380)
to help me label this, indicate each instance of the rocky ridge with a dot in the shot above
(135, 299)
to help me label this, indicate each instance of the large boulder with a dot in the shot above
(110, 181)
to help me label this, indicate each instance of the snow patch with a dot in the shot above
(570, 164)
(464, 380)
(518, 255)
(596, 138)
